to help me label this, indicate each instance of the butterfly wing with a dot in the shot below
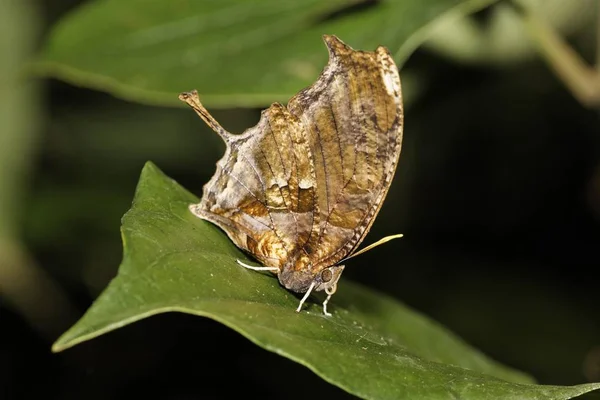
(263, 192)
(353, 116)
(310, 178)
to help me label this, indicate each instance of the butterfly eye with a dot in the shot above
(326, 275)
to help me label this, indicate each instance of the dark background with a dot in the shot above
(497, 193)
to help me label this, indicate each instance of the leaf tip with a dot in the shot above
(57, 347)
(150, 168)
(150, 173)
(61, 344)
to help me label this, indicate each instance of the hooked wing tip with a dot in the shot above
(188, 96)
(335, 45)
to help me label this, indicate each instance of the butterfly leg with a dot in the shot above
(252, 267)
(311, 287)
(330, 291)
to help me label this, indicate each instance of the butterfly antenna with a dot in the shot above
(193, 100)
(371, 246)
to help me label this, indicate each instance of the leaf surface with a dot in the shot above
(373, 346)
(234, 52)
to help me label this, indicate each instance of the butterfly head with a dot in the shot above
(328, 278)
(299, 274)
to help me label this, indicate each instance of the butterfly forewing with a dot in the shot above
(353, 115)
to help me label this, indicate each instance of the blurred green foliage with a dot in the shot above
(236, 53)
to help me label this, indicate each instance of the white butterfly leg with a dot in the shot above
(252, 267)
(330, 291)
(310, 288)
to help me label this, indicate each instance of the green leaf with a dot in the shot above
(234, 52)
(372, 346)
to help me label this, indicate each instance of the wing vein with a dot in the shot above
(288, 207)
(322, 227)
(268, 208)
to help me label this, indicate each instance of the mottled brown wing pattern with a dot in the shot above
(353, 116)
(263, 193)
(301, 189)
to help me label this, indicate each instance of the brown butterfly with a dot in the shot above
(300, 190)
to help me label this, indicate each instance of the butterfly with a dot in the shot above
(300, 190)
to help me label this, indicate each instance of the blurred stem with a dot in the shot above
(23, 284)
(598, 37)
(582, 79)
(32, 293)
